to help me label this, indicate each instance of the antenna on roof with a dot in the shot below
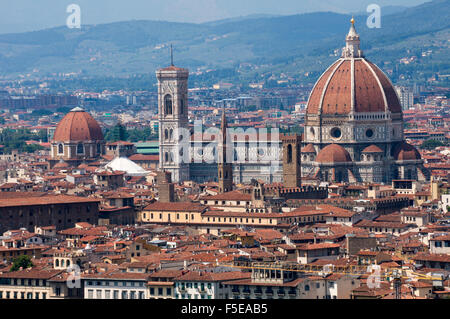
(171, 55)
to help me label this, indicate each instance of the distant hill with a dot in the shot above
(295, 45)
(238, 19)
(386, 10)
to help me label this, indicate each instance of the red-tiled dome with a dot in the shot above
(353, 84)
(61, 165)
(333, 153)
(78, 126)
(308, 149)
(372, 149)
(406, 152)
(332, 93)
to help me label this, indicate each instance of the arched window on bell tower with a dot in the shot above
(168, 105)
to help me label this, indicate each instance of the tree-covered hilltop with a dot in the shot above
(299, 47)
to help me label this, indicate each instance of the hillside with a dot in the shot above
(293, 45)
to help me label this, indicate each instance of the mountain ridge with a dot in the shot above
(141, 46)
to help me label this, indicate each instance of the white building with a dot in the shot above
(406, 97)
(115, 285)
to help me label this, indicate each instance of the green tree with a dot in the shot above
(23, 262)
(117, 133)
(63, 109)
(16, 140)
(41, 112)
(431, 144)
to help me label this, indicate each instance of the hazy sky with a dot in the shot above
(27, 15)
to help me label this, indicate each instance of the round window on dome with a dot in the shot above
(369, 133)
(336, 132)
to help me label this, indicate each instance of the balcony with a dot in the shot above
(258, 292)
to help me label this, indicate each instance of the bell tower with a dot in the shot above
(173, 120)
(225, 169)
(292, 176)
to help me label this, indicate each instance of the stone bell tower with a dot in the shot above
(225, 169)
(292, 160)
(173, 118)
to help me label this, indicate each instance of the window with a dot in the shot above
(335, 133)
(60, 149)
(289, 153)
(181, 106)
(80, 148)
(168, 104)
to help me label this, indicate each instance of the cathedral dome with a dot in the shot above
(308, 149)
(372, 149)
(333, 153)
(406, 152)
(353, 84)
(78, 126)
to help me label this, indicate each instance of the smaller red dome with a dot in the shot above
(61, 165)
(333, 153)
(372, 149)
(406, 152)
(308, 149)
(78, 126)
